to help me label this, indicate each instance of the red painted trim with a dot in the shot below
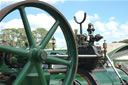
(85, 79)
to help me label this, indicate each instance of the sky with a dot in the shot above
(109, 17)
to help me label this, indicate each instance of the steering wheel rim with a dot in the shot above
(37, 50)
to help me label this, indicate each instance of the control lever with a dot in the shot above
(105, 51)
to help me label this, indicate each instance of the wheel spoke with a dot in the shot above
(49, 35)
(22, 74)
(13, 50)
(27, 27)
(41, 73)
(55, 60)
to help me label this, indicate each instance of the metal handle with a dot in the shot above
(80, 22)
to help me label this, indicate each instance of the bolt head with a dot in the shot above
(44, 55)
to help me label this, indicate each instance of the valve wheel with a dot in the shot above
(36, 53)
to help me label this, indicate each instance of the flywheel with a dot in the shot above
(36, 53)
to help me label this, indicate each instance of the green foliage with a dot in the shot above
(124, 41)
(114, 42)
(19, 36)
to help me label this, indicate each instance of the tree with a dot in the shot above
(124, 41)
(114, 42)
(19, 36)
(39, 34)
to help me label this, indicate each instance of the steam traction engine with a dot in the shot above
(93, 61)
(36, 65)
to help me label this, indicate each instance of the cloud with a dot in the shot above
(94, 17)
(100, 26)
(59, 42)
(112, 25)
(15, 23)
(41, 20)
(110, 29)
(124, 29)
(36, 21)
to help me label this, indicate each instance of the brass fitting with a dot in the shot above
(75, 35)
(105, 47)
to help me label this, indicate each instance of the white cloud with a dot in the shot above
(112, 25)
(15, 23)
(41, 20)
(106, 26)
(100, 26)
(110, 29)
(80, 15)
(36, 21)
(94, 17)
(60, 42)
(124, 27)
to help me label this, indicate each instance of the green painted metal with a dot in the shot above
(33, 79)
(21, 76)
(56, 79)
(27, 27)
(81, 80)
(56, 60)
(116, 60)
(4, 68)
(34, 53)
(49, 35)
(122, 48)
(41, 73)
(60, 52)
(109, 77)
(32, 73)
(13, 50)
(106, 77)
